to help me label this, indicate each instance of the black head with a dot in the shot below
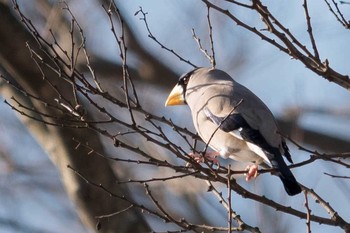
(184, 79)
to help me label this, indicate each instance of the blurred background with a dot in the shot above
(310, 109)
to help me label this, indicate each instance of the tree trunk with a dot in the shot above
(57, 142)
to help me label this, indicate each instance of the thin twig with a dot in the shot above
(162, 179)
(240, 4)
(241, 224)
(308, 213)
(336, 176)
(115, 213)
(218, 127)
(340, 18)
(198, 41)
(309, 30)
(83, 47)
(150, 35)
(123, 56)
(212, 57)
(286, 42)
(229, 219)
(331, 212)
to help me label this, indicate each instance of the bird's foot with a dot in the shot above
(252, 172)
(209, 156)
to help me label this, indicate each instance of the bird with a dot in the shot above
(234, 122)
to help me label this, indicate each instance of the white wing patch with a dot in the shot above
(257, 150)
(236, 133)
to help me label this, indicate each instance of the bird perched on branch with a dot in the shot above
(234, 122)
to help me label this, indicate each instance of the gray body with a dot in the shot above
(217, 91)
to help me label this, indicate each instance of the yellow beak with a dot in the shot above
(176, 96)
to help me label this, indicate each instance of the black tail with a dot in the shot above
(289, 182)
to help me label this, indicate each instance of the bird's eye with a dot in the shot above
(185, 80)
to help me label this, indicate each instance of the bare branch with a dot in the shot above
(331, 212)
(241, 224)
(287, 43)
(123, 55)
(212, 60)
(229, 219)
(204, 51)
(337, 13)
(309, 30)
(308, 213)
(150, 35)
(336, 176)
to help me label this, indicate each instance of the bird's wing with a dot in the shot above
(235, 122)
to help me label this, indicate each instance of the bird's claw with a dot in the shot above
(209, 156)
(252, 172)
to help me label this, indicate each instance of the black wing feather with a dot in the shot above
(227, 124)
(235, 121)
